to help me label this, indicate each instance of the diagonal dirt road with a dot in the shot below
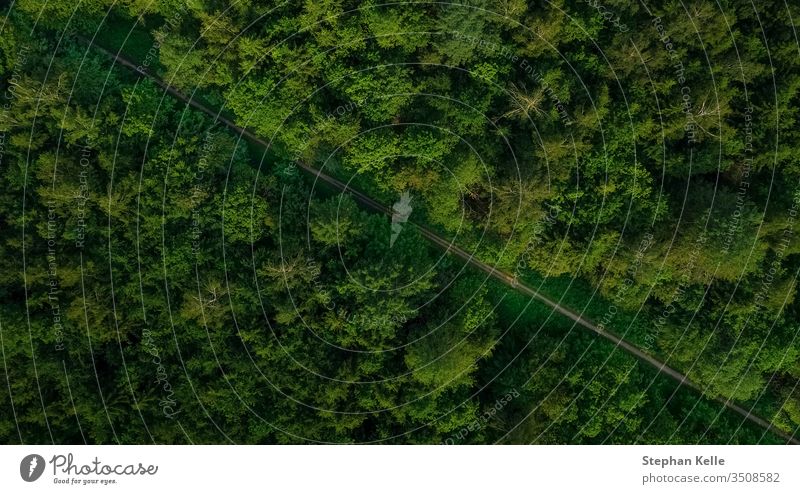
(451, 248)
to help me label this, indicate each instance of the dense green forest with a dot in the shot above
(164, 278)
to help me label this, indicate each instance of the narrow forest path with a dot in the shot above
(451, 248)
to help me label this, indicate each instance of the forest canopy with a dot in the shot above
(172, 273)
